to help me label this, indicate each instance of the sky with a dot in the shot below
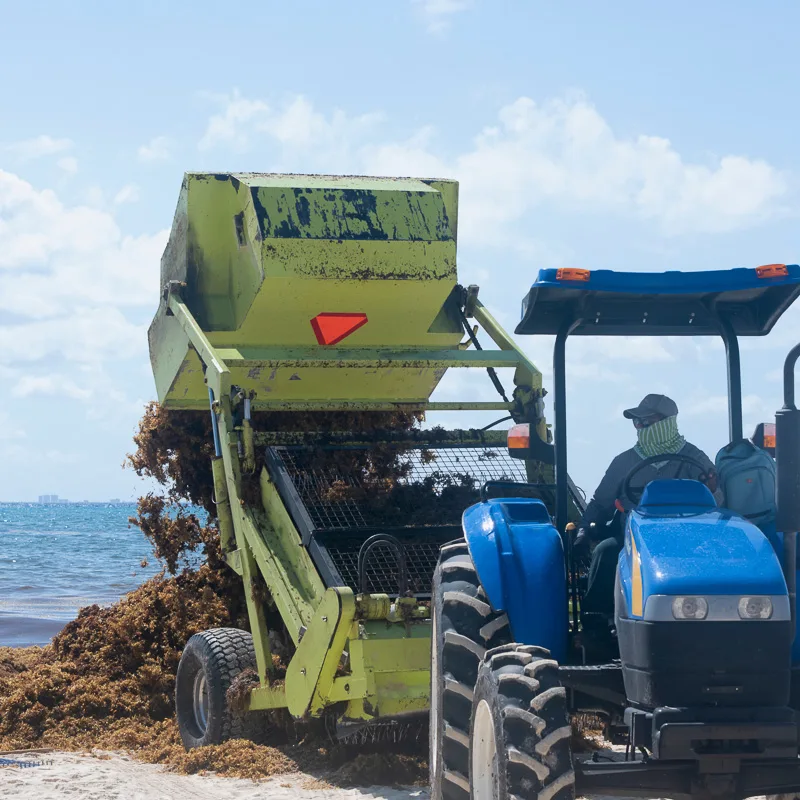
(629, 136)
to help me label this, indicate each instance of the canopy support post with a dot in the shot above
(560, 427)
(735, 422)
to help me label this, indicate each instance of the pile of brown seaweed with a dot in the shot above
(110, 665)
(107, 679)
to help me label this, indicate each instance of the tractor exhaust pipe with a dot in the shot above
(787, 457)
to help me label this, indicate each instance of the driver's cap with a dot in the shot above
(652, 404)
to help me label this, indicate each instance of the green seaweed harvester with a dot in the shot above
(326, 294)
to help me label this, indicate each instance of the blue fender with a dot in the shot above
(519, 558)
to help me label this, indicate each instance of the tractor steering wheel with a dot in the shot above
(627, 490)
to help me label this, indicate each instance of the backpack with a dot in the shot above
(746, 476)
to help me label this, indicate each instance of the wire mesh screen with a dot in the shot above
(381, 569)
(425, 487)
(417, 497)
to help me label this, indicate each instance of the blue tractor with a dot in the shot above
(703, 682)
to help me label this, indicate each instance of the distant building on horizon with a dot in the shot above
(114, 500)
(51, 499)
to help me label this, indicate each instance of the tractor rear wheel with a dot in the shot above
(464, 626)
(520, 735)
(210, 662)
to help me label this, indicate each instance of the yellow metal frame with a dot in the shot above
(349, 649)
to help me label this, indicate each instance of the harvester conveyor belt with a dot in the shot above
(336, 511)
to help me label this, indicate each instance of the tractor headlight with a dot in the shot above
(755, 608)
(690, 608)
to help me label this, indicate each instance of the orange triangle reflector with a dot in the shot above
(330, 328)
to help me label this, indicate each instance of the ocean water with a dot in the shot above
(55, 559)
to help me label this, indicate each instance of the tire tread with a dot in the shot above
(469, 628)
(228, 652)
(531, 723)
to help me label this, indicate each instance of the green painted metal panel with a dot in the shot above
(267, 697)
(397, 671)
(318, 652)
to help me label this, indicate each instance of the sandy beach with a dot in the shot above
(107, 776)
(114, 776)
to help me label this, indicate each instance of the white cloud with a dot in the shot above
(565, 155)
(561, 155)
(55, 258)
(69, 164)
(74, 329)
(49, 385)
(76, 295)
(127, 194)
(413, 156)
(438, 14)
(34, 225)
(593, 371)
(233, 126)
(157, 149)
(300, 130)
(38, 147)
(95, 197)
(75, 291)
(83, 335)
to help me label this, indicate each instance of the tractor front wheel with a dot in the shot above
(520, 731)
(210, 662)
(464, 626)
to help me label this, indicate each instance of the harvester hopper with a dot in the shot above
(276, 269)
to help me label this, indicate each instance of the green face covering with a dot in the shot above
(659, 438)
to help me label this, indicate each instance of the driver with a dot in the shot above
(655, 421)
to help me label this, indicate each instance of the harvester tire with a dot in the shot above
(464, 627)
(520, 742)
(210, 662)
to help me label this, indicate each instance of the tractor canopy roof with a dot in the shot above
(608, 303)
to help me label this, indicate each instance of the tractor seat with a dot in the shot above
(669, 496)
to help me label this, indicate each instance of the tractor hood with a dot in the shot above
(711, 552)
(678, 543)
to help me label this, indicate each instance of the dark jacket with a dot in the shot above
(602, 505)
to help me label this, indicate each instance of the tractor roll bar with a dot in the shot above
(787, 457)
(735, 416)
